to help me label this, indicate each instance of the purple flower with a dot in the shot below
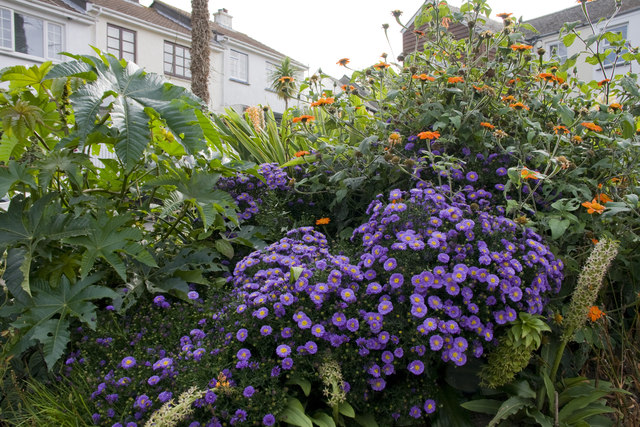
(266, 330)
(165, 396)
(415, 412)
(317, 330)
(142, 402)
(193, 295)
(348, 295)
(416, 367)
(283, 350)
(429, 406)
(261, 313)
(436, 342)
(472, 176)
(242, 334)
(501, 171)
(128, 362)
(377, 384)
(353, 324)
(311, 347)
(385, 307)
(248, 391)
(243, 354)
(268, 420)
(210, 397)
(287, 363)
(390, 264)
(396, 280)
(153, 380)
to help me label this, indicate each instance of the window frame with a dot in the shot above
(173, 73)
(120, 39)
(238, 78)
(557, 45)
(45, 40)
(606, 62)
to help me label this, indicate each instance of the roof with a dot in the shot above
(141, 12)
(184, 19)
(59, 3)
(553, 22)
(490, 24)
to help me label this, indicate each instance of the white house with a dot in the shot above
(626, 22)
(157, 38)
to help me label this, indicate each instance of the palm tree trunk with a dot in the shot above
(200, 36)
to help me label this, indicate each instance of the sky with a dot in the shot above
(318, 33)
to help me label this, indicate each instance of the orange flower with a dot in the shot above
(521, 47)
(603, 198)
(594, 241)
(602, 82)
(504, 15)
(456, 79)
(323, 221)
(518, 106)
(508, 98)
(303, 119)
(487, 125)
(595, 313)
(322, 101)
(615, 106)
(560, 128)
(381, 65)
(446, 21)
(347, 88)
(418, 33)
(529, 174)
(423, 77)
(343, 62)
(301, 153)
(429, 135)
(550, 78)
(592, 126)
(285, 79)
(513, 81)
(593, 206)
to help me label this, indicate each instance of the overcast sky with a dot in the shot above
(318, 33)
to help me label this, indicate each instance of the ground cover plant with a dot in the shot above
(450, 236)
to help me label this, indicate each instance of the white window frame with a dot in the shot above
(186, 60)
(622, 28)
(237, 71)
(46, 43)
(560, 51)
(120, 38)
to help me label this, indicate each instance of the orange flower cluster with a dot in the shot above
(456, 79)
(518, 106)
(322, 101)
(429, 135)
(521, 47)
(343, 62)
(504, 15)
(558, 129)
(487, 125)
(615, 106)
(323, 221)
(347, 88)
(381, 65)
(423, 77)
(595, 313)
(394, 138)
(593, 207)
(592, 126)
(529, 174)
(303, 119)
(285, 79)
(509, 98)
(603, 198)
(301, 153)
(551, 78)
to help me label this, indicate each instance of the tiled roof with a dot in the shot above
(141, 12)
(184, 18)
(553, 22)
(59, 3)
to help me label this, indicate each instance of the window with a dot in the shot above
(177, 60)
(121, 42)
(239, 66)
(611, 58)
(30, 35)
(557, 50)
(270, 70)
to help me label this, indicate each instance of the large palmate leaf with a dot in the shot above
(107, 238)
(30, 227)
(46, 317)
(130, 95)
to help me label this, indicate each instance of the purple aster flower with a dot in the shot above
(442, 257)
(153, 380)
(287, 363)
(268, 420)
(111, 398)
(374, 288)
(472, 176)
(275, 371)
(261, 313)
(142, 402)
(317, 330)
(501, 171)
(266, 330)
(158, 300)
(429, 406)
(434, 302)
(348, 295)
(339, 319)
(396, 280)
(283, 350)
(242, 334)
(416, 367)
(128, 362)
(95, 418)
(398, 352)
(436, 342)
(248, 391)
(243, 354)
(390, 264)
(419, 310)
(395, 195)
(374, 371)
(123, 381)
(286, 332)
(210, 397)
(385, 307)
(415, 412)
(353, 324)
(377, 384)
(311, 347)
(193, 295)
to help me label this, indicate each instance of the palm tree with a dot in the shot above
(283, 81)
(200, 36)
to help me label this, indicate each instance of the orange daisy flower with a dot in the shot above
(323, 221)
(285, 79)
(423, 77)
(593, 207)
(602, 82)
(615, 106)
(456, 79)
(592, 126)
(303, 119)
(301, 153)
(487, 125)
(603, 198)
(323, 101)
(381, 65)
(518, 106)
(429, 135)
(504, 15)
(343, 62)
(508, 98)
(529, 174)
(418, 33)
(595, 313)
(521, 47)
(560, 128)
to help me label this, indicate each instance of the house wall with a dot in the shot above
(77, 32)
(588, 72)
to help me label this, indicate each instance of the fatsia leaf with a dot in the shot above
(15, 173)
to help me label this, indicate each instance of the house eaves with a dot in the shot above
(57, 8)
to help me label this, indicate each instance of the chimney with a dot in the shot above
(222, 18)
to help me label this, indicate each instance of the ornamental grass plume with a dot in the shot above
(170, 414)
(589, 284)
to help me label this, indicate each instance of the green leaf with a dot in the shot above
(586, 413)
(577, 405)
(510, 407)
(304, 384)
(15, 173)
(225, 248)
(54, 335)
(485, 406)
(366, 420)
(294, 414)
(347, 410)
(323, 419)
(569, 39)
(558, 226)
